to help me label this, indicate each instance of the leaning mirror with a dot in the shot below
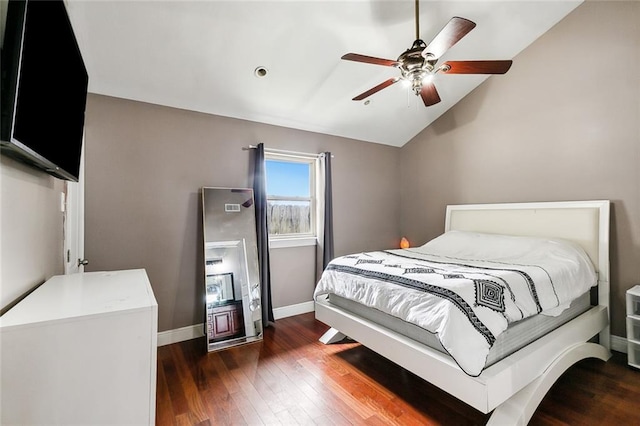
(231, 281)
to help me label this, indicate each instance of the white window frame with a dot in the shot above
(309, 238)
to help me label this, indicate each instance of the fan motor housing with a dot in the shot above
(412, 58)
(413, 66)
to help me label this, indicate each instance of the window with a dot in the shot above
(290, 196)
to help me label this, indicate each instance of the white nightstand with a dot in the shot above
(633, 326)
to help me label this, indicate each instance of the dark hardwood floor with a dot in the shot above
(290, 378)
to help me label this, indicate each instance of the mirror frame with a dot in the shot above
(224, 320)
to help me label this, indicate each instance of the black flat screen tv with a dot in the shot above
(44, 88)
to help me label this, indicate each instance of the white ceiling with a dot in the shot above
(201, 56)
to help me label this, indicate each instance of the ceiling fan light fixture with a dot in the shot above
(418, 64)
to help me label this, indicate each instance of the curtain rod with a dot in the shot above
(284, 151)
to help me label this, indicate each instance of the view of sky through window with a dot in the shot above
(287, 179)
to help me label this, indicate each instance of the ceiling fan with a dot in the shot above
(418, 64)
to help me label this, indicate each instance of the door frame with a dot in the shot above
(74, 222)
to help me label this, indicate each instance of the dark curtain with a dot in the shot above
(260, 195)
(327, 254)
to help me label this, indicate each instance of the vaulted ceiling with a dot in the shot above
(202, 56)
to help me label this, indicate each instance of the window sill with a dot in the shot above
(292, 242)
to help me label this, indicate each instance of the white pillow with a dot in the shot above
(480, 246)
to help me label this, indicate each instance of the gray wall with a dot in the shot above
(145, 165)
(563, 124)
(30, 229)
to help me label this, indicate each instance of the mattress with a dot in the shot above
(465, 287)
(516, 336)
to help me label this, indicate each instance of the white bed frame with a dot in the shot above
(513, 387)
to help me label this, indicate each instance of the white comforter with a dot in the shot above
(464, 287)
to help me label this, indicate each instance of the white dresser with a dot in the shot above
(81, 349)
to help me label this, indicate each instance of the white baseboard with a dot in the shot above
(180, 334)
(197, 330)
(291, 310)
(618, 344)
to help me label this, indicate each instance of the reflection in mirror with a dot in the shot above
(232, 284)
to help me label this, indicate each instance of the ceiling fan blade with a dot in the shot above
(373, 90)
(455, 29)
(429, 94)
(476, 67)
(370, 60)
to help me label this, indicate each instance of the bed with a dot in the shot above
(513, 385)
